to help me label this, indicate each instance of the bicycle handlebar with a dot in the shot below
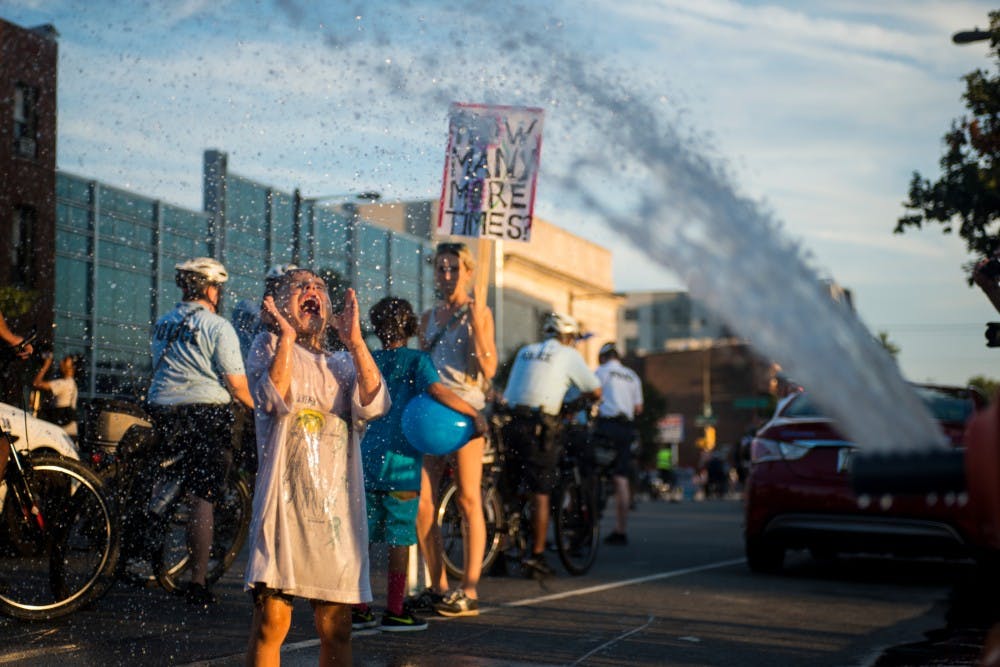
(25, 341)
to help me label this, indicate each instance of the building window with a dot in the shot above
(25, 120)
(631, 314)
(19, 259)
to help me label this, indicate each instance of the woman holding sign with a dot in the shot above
(458, 333)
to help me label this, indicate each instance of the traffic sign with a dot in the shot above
(751, 402)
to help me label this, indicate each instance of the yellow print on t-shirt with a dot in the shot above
(314, 439)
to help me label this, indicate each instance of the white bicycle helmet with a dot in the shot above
(560, 323)
(278, 270)
(207, 269)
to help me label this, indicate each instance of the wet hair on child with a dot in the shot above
(393, 320)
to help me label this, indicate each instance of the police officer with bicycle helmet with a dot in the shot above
(197, 372)
(539, 379)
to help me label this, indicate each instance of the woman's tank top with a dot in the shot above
(451, 356)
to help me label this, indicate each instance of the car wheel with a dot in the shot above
(764, 555)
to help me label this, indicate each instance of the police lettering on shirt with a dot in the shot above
(165, 331)
(619, 375)
(539, 355)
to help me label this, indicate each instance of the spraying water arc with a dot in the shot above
(663, 190)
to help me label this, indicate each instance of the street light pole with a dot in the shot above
(298, 200)
(297, 227)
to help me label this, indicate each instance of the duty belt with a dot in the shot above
(618, 419)
(525, 411)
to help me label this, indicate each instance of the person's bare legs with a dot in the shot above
(272, 617)
(399, 564)
(200, 529)
(469, 467)
(428, 532)
(541, 507)
(333, 623)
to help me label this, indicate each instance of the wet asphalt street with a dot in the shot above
(678, 594)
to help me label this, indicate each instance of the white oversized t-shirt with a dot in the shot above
(309, 533)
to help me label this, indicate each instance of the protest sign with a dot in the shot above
(490, 171)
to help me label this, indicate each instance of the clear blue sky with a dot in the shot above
(820, 111)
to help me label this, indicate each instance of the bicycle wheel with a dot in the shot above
(231, 526)
(577, 526)
(64, 557)
(449, 519)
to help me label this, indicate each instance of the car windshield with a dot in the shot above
(945, 405)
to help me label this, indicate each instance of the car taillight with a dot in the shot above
(763, 450)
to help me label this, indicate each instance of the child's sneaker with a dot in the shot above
(362, 618)
(424, 601)
(457, 603)
(405, 622)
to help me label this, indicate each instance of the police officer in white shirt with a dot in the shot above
(621, 402)
(539, 379)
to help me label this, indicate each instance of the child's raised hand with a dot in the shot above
(347, 322)
(269, 314)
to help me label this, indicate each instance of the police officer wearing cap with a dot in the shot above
(621, 402)
(539, 379)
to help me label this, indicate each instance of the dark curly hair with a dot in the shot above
(393, 320)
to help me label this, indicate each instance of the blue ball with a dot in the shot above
(434, 428)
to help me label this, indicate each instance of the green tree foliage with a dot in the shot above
(16, 301)
(987, 385)
(890, 347)
(967, 194)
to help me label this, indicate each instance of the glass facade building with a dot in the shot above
(115, 253)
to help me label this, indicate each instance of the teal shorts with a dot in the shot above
(392, 520)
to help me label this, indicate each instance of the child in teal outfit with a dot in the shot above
(392, 467)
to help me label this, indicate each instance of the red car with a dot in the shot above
(799, 495)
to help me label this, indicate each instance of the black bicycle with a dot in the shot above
(58, 536)
(154, 509)
(574, 507)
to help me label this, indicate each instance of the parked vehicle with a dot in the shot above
(35, 435)
(799, 493)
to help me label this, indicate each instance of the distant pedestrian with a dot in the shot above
(64, 392)
(309, 534)
(392, 466)
(621, 402)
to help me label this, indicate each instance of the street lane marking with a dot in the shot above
(617, 584)
(312, 643)
(615, 640)
(31, 653)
